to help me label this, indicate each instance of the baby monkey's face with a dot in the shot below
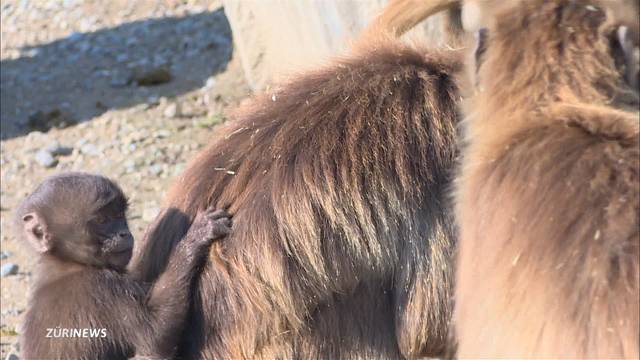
(110, 233)
(79, 217)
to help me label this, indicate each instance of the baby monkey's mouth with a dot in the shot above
(118, 244)
(121, 251)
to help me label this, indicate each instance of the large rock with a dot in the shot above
(274, 38)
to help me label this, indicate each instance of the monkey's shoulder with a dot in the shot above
(577, 153)
(598, 122)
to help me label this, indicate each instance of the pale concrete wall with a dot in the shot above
(277, 37)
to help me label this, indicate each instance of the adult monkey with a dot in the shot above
(342, 240)
(548, 191)
(548, 197)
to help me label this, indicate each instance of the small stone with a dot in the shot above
(101, 106)
(4, 254)
(154, 76)
(89, 149)
(129, 166)
(150, 213)
(131, 41)
(156, 169)
(8, 269)
(172, 110)
(12, 312)
(44, 158)
(36, 136)
(153, 100)
(129, 163)
(56, 149)
(162, 134)
(36, 140)
(211, 82)
(133, 137)
(210, 121)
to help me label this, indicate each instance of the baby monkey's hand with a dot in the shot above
(208, 226)
(215, 223)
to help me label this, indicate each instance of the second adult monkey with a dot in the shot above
(84, 305)
(548, 196)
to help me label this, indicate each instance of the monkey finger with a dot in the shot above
(218, 231)
(223, 223)
(215, 214)
(222, 231)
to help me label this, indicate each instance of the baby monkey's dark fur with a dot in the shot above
(84, 305)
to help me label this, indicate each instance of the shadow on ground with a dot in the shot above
(86, 74)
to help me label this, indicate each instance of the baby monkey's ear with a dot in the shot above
(35, 231)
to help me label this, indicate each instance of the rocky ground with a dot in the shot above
(128, 89)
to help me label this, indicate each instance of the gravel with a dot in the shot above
(172, 110)
(46, 159)
(89, 149)
(73, 71)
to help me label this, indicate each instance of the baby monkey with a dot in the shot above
(84, 305)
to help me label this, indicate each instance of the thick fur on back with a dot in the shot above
(342, 239)
(548, 195)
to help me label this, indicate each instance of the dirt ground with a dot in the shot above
(90, 64)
